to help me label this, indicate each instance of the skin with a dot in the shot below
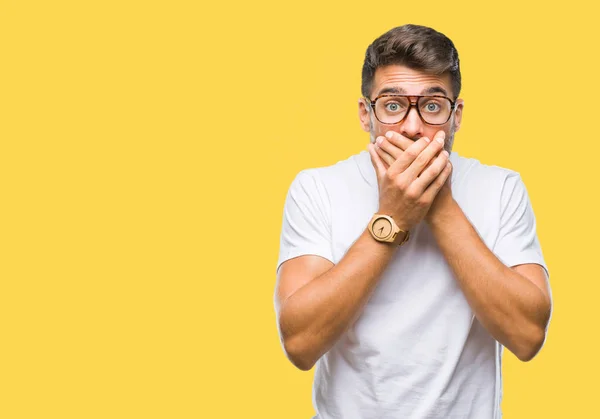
(513, 303)
(409, 82)
(316, 301)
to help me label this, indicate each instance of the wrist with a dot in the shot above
(384, 228)
(442, 214)
(402, 224)
(402, 236)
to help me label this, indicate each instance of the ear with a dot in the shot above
(460, 104)
(364, 115)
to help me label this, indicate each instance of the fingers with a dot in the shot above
(391, 146)
(376, 161)
(423, 159)
(387, 151)
(431, 172)
(398, 140)
(385, 157)
(401, 154)
(433, 189)
(410, 155)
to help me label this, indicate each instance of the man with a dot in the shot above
(406, 269)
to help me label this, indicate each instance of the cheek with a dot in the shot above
(378, 129)
(430, 131)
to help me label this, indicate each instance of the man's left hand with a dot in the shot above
(390, 147)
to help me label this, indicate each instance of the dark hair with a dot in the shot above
(416, 47)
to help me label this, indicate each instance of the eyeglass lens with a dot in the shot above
(433, 109)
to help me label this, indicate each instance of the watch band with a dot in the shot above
(406, 237)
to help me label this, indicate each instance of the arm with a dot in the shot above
(316, 301)
(513, 304)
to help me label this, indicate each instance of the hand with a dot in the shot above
(409, 185)
(441, 200)
(390, 147)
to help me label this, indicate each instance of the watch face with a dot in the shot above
(382, 228)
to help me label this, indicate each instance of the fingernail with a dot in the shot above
(427, 140)
(379, 140)
(440, 140)
(389, 134)
(446, 152)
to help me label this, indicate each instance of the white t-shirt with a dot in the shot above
(416, 351)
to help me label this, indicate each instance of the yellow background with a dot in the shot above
(146, 150)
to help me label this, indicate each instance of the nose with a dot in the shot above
(412, 126)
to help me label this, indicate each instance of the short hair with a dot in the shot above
(416, 47)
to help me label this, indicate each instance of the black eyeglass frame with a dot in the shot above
(411, 104)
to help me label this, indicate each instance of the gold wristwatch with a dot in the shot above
(384, 229)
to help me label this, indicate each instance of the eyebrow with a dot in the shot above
(435, 89)
(401, 91)
(395, 90)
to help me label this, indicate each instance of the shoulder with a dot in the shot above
(471, 173)
(330, 176)
(484, 192)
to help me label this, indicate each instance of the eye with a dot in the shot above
(393, 106)
(432, 107)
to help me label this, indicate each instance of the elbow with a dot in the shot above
(534, 335)
(531, 345)
(297, 351)
(301, 364)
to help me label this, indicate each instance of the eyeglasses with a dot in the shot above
(392, 109)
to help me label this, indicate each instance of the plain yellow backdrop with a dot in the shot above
(146, 151)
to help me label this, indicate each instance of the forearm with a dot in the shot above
(512, 308)
(316, 315)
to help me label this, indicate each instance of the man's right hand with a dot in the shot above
(408, 187)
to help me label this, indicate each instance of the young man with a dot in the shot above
(404, 271)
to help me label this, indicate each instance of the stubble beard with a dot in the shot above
(447, 144)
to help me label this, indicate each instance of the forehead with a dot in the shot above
(409, 81)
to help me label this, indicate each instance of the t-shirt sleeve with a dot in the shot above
(517, 241)
(306, 228)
